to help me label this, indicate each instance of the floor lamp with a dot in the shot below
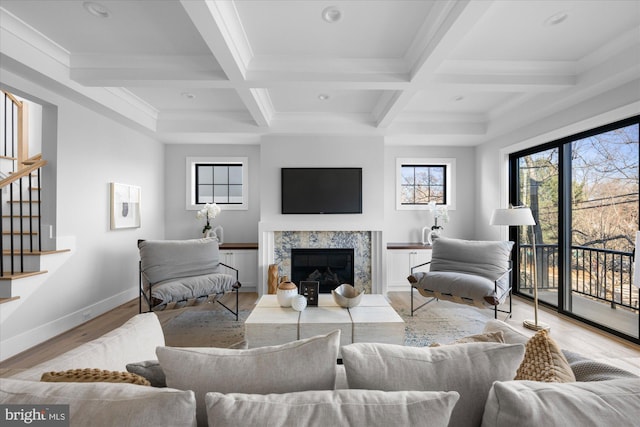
(515, 216)
(636, 269)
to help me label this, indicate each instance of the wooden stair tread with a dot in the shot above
(3, 300)
(8, 276)
(18, 233)
(23, 201)
(32, 253)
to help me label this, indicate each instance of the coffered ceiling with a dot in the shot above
(417, 72)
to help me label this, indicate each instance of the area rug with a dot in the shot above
(439, 322)
(442, 322)
(205, 328)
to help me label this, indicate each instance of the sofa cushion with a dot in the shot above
(497, 336)
(544, 361)
(307, 364)
(470, 369)
(135, 340)
(93, 376)
(151, 370)
(103, 404)
(511, 334)
(587, 404)
(332, 408)
(586, 369)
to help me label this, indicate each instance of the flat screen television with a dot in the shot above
(321, 190)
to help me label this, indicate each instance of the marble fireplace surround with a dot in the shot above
(276, 241)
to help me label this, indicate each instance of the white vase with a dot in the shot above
(433, 234)
(286, 291)
(298, 302)
(284, 296)
(217, 232)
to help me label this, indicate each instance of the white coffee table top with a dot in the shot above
(373, 320)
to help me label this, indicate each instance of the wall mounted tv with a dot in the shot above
(321, 190)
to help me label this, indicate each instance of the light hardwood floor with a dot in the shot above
(568, 333)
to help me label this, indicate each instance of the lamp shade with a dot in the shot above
(512, 216)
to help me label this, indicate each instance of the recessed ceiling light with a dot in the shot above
(96, 9)
(323, 97)
(188, 95)
(556, 19)
(331, 14)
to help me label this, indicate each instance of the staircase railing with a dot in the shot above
(14, 185)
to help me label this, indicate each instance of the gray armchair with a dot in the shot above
(173, 271)
(469, 272)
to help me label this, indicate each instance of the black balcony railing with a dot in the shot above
(601, 274)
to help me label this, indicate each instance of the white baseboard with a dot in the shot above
(24, 341)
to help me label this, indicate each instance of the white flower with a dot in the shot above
(209, 211)
(439, 213)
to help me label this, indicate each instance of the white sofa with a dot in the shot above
(457, 385)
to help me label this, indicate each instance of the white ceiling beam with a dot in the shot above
(507, 83)
(446, 25)
(219, 25)
(25, 50)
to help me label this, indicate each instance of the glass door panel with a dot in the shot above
(538, 189)
(604, 221)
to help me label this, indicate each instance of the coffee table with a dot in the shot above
(373, 320)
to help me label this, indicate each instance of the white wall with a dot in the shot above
(491, 158)
(406, 225)
(101, 272)
(240, 226)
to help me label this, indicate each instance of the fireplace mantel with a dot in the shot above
(266, 251)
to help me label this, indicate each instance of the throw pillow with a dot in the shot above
(369, 408)
(89, 375)
(469, 369)
(511, 334)
(497, 336)
(308, 364)
(535, 404)
(104, 404)
(544, 361)
(151, 370)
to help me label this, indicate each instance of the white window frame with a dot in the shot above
(450, 165)
(191, 181)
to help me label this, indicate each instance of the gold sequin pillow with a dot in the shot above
(93, 375)
(544, 361)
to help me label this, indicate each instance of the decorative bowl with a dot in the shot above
(346, 296)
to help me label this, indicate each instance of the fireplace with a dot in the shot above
(331, 267)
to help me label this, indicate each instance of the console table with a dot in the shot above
(373, 320)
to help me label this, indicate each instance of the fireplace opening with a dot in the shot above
(328, 266)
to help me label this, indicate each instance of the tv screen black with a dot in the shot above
(321, 190)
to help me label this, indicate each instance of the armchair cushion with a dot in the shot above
(165, 260)
(489, 259)
(179, 270)
(191, 287)
(467, 272)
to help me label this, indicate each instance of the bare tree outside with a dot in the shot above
(603, 215)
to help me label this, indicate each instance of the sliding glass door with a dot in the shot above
(604, 221)
(583, 193)
(538, 189)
